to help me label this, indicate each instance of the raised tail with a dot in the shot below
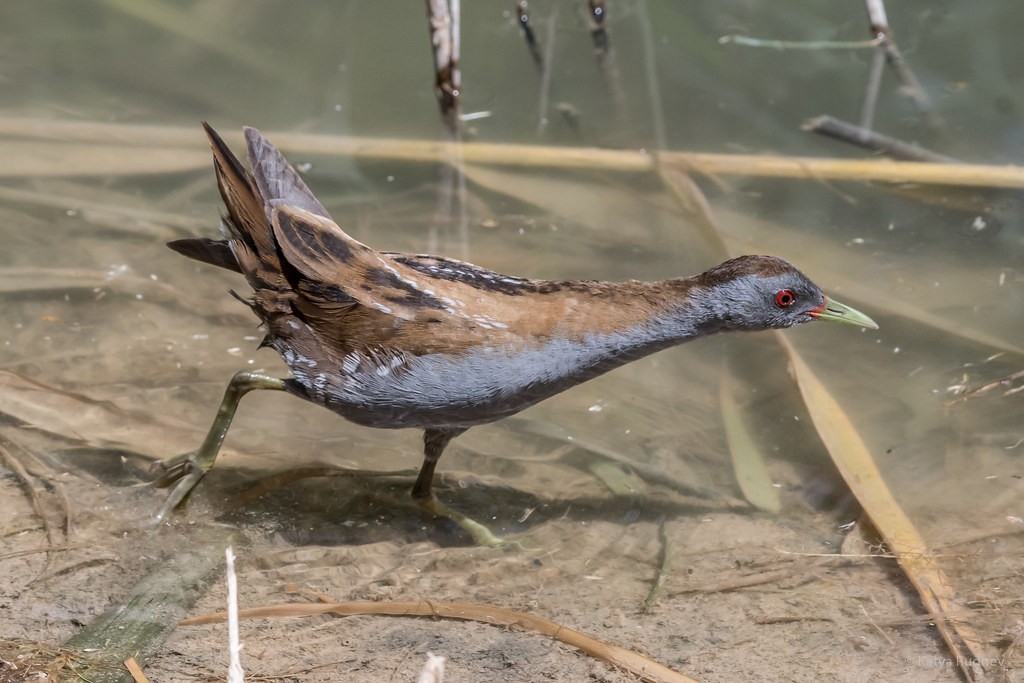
(276, 180)
(214, 252)
(250, 198)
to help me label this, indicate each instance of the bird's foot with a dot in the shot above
(184, 472)
(482, 536)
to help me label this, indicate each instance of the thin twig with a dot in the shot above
(875, 142)
(1001, 382)
(748, 41)
(29, 484)
(912, 87)
(651, 70)
(46, 549)
(523, 18)
(596, 16)
(877, 627)
(546, 71)
(235, 672)
(664, 568)
(646, 669)
(874, 85)
(740, 583)
(456, 10)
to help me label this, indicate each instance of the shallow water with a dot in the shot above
(114, 350)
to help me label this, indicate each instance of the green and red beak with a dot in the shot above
(830, 309)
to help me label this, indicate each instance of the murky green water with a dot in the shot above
(114, 350)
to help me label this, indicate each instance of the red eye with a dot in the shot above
(784, 298)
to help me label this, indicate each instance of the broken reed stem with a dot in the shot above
(877, 17)
(523, 17)
(871, 90)
(596, 15)
(443, 21)
(538, 156)
(608, 63)
(881, 31)
(872, 141)
(651, 72)
(708, 164)
(544, 96)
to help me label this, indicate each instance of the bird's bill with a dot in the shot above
(831, 309)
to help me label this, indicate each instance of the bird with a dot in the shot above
(394, 340)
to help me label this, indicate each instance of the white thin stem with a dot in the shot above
(235, 672)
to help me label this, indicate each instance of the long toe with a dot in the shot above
(481, 534)
(171, 470)
(178, 493)
(183, 472)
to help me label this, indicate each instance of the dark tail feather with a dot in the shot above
(237, 189)
(277, 181)
(247, 227)
(214, 252)
(250, 198)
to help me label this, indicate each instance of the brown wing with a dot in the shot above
(356, 297)
(300, 262)
(359, 298)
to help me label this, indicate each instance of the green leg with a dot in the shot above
(186, 470)
(434, 443)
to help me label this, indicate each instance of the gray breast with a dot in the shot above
(392, 390)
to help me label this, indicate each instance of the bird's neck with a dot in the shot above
(673, 312)
(687, 311)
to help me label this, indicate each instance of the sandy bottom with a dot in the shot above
(739, 601)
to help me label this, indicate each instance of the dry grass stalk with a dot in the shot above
(878, 170)
(646, 669)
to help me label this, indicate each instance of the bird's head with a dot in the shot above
(765, 292)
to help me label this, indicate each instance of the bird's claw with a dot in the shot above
(482, 536)
(170, 470)
(184, 472)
